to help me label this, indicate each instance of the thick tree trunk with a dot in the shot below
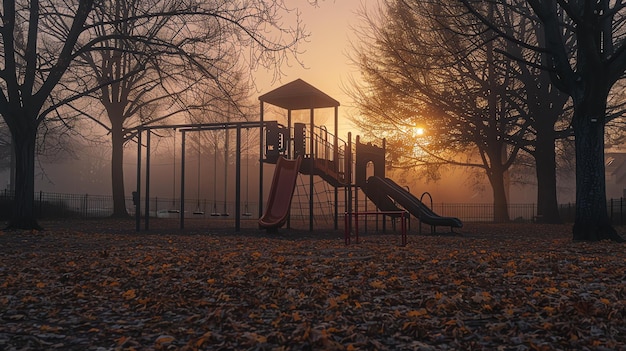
(592, 221)
(23, 216)
(500, 204)
(117, 173)
(545, 167)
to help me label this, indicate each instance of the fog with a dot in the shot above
(89, 173)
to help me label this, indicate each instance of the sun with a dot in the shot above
(419, 131)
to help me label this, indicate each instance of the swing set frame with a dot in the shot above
(184, 129)
(296, 95)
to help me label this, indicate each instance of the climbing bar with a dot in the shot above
(404, 216)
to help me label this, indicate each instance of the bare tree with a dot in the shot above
(5, 147)
(43, 40)
(430, 66)
(55, 141)
(153, 82)
(541, 105)
(586, 71)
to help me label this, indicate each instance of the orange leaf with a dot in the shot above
(256, 337)
(332, 303)
(164, 339)
(129, 294)
(417, 313)
(122, 340)
(551, 290)
(202, 339)
(433, 277)
(451, 322)
(377, 284)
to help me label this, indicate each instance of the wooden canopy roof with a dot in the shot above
(298, 95)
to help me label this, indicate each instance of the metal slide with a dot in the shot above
(281, 193)
(381, 199)
(377, 186)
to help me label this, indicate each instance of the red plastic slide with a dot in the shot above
(281, 193)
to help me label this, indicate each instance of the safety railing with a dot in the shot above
(403, 215)
(327, 153)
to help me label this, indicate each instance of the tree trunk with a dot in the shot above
(23, 216)
(117, 173)
(545, 167)
(592, 221)
(500, 205)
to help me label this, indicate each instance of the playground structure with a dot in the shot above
(279, 201)
(299, 149)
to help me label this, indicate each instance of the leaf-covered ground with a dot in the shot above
(100, 286)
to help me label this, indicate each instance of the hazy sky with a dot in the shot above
(325, 57)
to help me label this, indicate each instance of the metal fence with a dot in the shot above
(615, 207)
(617, 210)
(58, 205)
(472, 212)
(485, 212)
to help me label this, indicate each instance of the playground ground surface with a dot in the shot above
(99, 285)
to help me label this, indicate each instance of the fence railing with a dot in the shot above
(615, 207)
(58, 205)
(485, 212)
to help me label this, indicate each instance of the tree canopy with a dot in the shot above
(586, 56)
(437, 69)
(43, 40)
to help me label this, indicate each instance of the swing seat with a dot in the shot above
(215, 214)
(225, 214)
(173, 211)
(198, 212)
(247, 214)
